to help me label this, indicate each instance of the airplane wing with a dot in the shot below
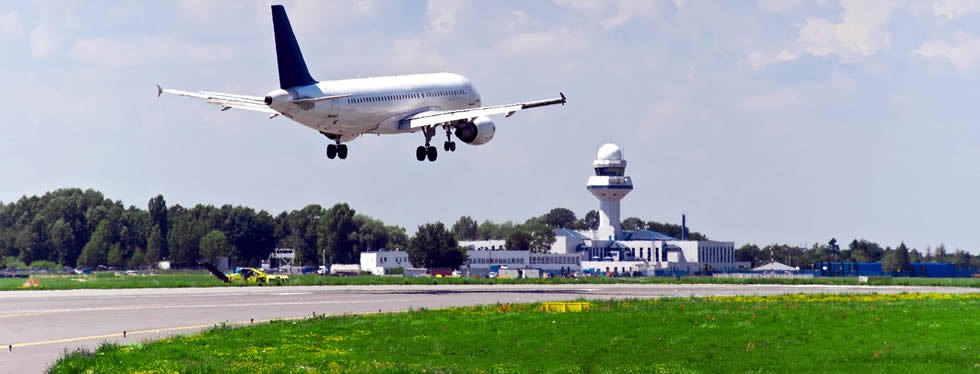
(226, 101)
(442, 117)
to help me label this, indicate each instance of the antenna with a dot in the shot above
(683, 226)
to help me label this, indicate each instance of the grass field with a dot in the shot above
(205, 279)
(793, 333)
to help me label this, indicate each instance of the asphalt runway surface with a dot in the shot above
(36, 327)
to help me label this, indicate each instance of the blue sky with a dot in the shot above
(763, 121)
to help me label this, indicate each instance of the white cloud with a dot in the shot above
(137, 50)
(760, 60)
(860, 33)
(414, 55)
(10, 26)
(963, 53)
(442, 15)
(955, 8)
(44, 40)
(558, 42)
(625, 10)
(518, 20)
(778, 6)
(581, 4)
(779, 100)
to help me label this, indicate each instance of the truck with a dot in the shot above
(345, 269)
(508, 274)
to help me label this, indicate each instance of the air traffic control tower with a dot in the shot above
(609, 185)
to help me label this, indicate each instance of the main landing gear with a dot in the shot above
(427, 151)
(337, 150)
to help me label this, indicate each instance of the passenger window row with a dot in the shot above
(377, 99)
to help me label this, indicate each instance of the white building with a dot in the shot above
(379, 262)
(480, 262)
(609, 249)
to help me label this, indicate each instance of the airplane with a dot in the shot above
(342, 110)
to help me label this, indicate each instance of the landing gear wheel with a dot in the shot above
(445, 146)
(452, 146)
(432, 153)
(332, 151)
(342, 151)
(420, 153)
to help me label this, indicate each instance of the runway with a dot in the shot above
(37, 326)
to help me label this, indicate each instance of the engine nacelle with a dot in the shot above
(480, 131)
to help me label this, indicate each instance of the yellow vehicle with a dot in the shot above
(247, 275)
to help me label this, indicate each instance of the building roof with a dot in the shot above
(775, 266)
(570, 233)
(645, 235)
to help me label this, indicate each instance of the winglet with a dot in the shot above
(159, 91)
(563, 100)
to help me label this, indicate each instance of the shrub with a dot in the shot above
(11, 262)
(396, 271)
(45, 264)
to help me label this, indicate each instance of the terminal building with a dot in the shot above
(608, 250)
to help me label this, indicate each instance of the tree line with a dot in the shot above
(76, 228)
(859, 250)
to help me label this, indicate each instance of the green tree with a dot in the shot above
(215, 244)
(750, 253)
(519, 240)
(97, 249)
(301, 230)
(115, 257)
(370, 235)
(397, 238)
(542, 235)
(940, 254)
(433, 246)
(138, 260)
(154, 245)
(335, 236)
(466, 229)
(591, 220)
(961, 259)
(633, 224)
(896, 260)
(157, 207)
(62, 240)
(559, 218)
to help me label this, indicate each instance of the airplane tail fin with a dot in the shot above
(292, 68)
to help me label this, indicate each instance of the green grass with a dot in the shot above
(204, 279)
(794, 333)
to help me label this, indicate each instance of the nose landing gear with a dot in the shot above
(449, 145)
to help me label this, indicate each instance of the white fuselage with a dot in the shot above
(375, 105)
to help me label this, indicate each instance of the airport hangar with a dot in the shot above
(606, 250)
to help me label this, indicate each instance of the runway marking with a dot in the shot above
(143, 307)
(159, 330)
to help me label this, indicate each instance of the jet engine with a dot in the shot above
(477, 132)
